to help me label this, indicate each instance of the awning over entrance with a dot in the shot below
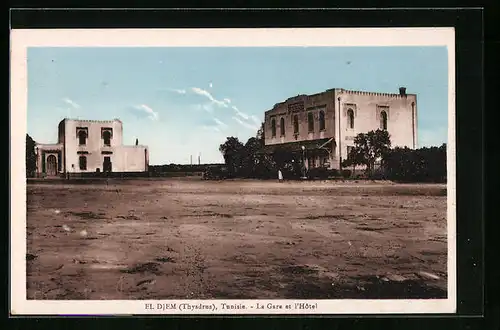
(319, 146)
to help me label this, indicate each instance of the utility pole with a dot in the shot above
(191, 159)
(199, 158)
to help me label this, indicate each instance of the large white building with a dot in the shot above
(324, 125)
(90, 146)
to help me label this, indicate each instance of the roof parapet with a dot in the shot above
(94, 120)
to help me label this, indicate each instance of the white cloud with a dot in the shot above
(220, 123)
(71, 102)
(178, 91)
(249, 121)
(209, 96)
(173, 90)
(247, 125)
(150, 112)
(240, 113)
(208, 107)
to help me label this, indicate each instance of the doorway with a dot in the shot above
(107, 165)
(51, 165)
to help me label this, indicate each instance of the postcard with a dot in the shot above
(233, 171)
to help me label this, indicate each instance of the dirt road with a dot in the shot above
(193, 239)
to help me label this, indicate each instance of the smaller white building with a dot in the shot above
(90, 146)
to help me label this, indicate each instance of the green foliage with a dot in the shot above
(255, 163)
(290, 163)
(261, 135)
(233, 152)
(346, 173)
(247, 160)
(403, 164)
(30, 157)
(368, 149)
(319, 173)
(420, 165)
(215, 173)
(176, 169)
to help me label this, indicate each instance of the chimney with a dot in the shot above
(402, 91)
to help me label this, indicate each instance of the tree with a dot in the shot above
(251, 157)
(369, 148)
(354, 158)
(261, 135)
(233, 152)
(30, 157)
(420, 165)
(289, 162)
(257, 164)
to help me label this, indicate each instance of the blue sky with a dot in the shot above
(186, 101)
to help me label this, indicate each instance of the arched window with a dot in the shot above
(350, 118)
(310, 122)
(282, 126)
(82, 137)
(83, 163)
(106, 136)
(296, 124)
(321, 120)
(273, 127)
(383, 120)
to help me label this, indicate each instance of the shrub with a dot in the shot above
(216, 173)
(318, 173)
(346, 173)
(333, 173)
(420, 165)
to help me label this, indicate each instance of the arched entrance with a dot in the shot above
(51, 165)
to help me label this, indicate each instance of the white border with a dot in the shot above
(22, 39)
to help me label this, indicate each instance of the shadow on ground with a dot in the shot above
(301, 282)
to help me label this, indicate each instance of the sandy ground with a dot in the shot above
(193, 239)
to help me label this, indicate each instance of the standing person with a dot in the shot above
(280, 176)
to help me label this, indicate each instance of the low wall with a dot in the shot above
(106, 175)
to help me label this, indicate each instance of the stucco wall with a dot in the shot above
(367, 107)
(130, 159)
(312, 103)
(401, 112)
(43, 151)
(94, 145)
(123, 158)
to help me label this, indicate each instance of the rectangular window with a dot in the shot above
(349, 150)
(107, 166)
(107, 135)
(82, 134)
(296, 124)
(83, 163)
(310, 122)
